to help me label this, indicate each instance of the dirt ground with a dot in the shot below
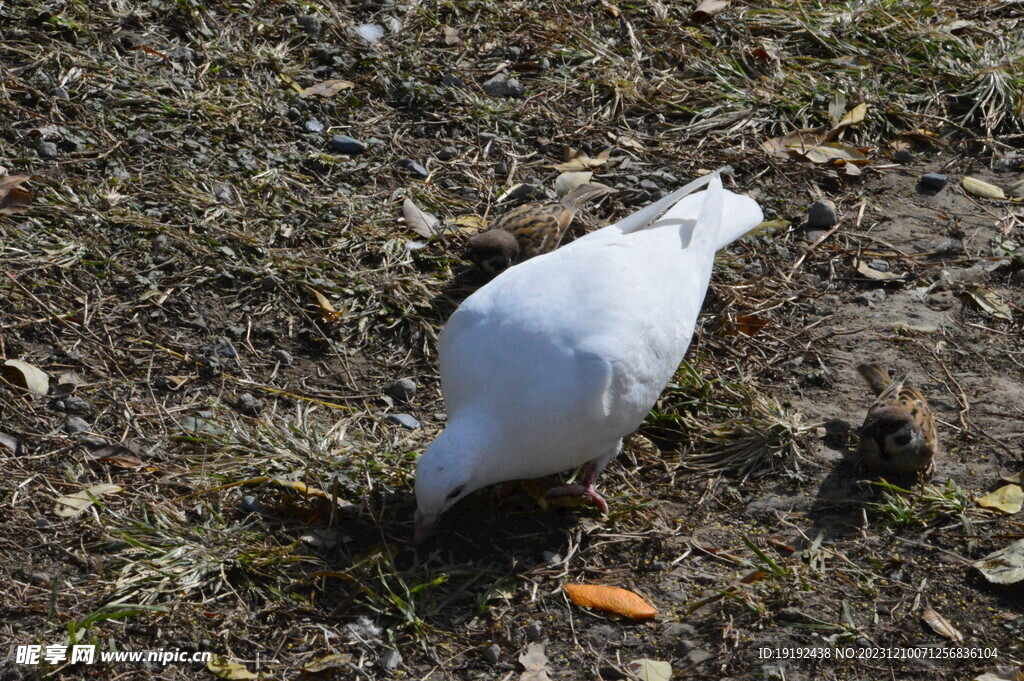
(220, 299)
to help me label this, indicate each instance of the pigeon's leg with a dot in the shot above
(585, 487)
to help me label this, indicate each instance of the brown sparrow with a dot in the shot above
(898, 435)
(528, 230)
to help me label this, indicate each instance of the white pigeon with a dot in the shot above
(554, 361)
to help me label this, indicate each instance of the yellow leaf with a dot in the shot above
(71, 505)
(327, 310)
(877, 275)
(973, 185)
(1009, 499)
(831, 151)
(224, 668)
(328, 88)
(853, 117)
(940, 626)
(323, 664)
(650, 670)
(612, 599)
(990, 301)
(579, 160)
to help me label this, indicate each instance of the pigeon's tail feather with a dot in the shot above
(740, 214)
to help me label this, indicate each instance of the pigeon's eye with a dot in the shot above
(454, 493)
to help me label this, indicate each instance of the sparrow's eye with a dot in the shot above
(454, 493)
(901, 440)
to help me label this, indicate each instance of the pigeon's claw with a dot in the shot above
(577, 490)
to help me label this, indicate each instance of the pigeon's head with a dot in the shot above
(493, 251)
(444, 475)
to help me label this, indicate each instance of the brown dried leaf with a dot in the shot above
(451, 35)
(1001, 674)
(708, 9)
(117, 455)
(650, 670)
(71, 505)
(419, 221)
(1005, 566)
(535, 663)
(745, 324)
(226, 668)
(853, 117)
(14, 199)
(327, 663)
(831, 151)
(327, 310)
(795, 141)
(611, 599)
(876, 275)
(990, 301)
(25, 375)
(579, 160)
(327, 88)
(940, 626)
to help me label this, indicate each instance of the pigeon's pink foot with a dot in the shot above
(577, 490)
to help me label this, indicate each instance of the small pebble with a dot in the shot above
(249, 405)
(61, 93)
(42, 522)
(251, 504)
(75, 425)
(451, 80)
(551, 558)
(503, 86)
(47, 150)
(880, 265)
(403, 420)
(344, 144)
(414, 167)
(313, 125)
(227, 350)
(403, 389)
(389, 659)
(932, 182)
(500, 169)
(76, 405)
(282, 356)
(821, 214)
(235, 330)
(533, 631)
(224, 192)
(903, 156)
(492, 653)
(649, 185)
(870, 297)
(447, 153)
(310, 24)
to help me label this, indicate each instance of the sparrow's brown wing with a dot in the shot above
(538, 227)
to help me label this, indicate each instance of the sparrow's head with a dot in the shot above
(444, 475)
(895, 441)
(493, 251)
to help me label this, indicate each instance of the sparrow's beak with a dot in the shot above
(423, 526)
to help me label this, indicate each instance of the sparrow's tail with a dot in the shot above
(876, 376)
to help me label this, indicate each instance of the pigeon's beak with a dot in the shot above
(424, 524)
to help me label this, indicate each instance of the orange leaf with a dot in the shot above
(610, 598)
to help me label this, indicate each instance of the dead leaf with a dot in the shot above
(535, 663)
(24, 375)
(327, 88)
(650, 670)
(14, 199)
(451, 35)
(224, 668)
(419, 221)
(990, 301)
(71, 505)
(973, 185)
(10, 442)
(855, 116)
(611, 599)
(1009, 499)
(745, 324)
(117, 455)
(579, 160)
(875, 275)
(1016, 189)
(708, 9)
(1001, 674)
(627, 142)
(175, 382)
(1005, 566)
(327, 310)
(566, 182)
(837, 107)
(473, 223)
(852, 170)
(795, 141)
(831, 151)
(940, 626)
(1017, 477)
(303, 488)
(327, 663)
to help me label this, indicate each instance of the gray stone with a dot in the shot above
(404, 420)
(75, 405)
(932, 182)
(47, 150)
(389, 659)
(872, 297)
(343, 144)
(75, 424)
(503, 86)
(821, 214)
(492, 653)
(251, 504)
(403, 389)
(949, 245)
(249, 405)
(414, 167)
(282, 356)
(451, 80)
(533, 631)
(224, 193)
(880, 265)
(313, 125)
(903, 156)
